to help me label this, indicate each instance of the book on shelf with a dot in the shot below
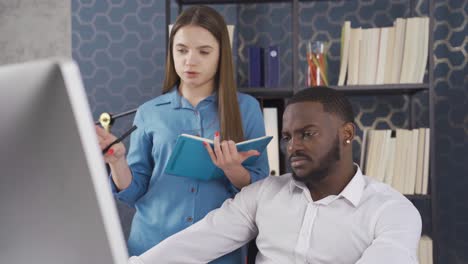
(410, 180)
(272, 67)
(256, 66)
(426, 159)
(398, 49)
(423, 51)
(376, 157)
(390, 161)
(231, 34)
(409, 51)
(401, 161)
(415, 51)
(344, 52)
(386, 55)
(390, 54)
(425, 250)
(420, 162)
(382, 55)
(190, 158)
(400, 157)
(368, 55)
(364, 148)
(353, 58)
(270, 117)
(383, 152)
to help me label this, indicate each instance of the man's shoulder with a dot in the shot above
(390, 208)
(271, 184)
(279, 180)
(382, 194)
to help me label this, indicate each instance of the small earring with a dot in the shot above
(348, 141)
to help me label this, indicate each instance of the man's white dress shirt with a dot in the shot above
(367, 223)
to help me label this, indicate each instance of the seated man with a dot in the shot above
(325, 211)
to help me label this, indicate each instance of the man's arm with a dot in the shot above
(220, 232)
(397, 234)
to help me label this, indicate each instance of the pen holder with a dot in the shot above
(316, 56)
(106, 121)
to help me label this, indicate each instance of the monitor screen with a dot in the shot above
(56, 205)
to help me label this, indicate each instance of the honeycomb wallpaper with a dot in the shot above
(120, 47)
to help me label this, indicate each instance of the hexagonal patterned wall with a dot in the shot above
(451, 127)
(120, 47)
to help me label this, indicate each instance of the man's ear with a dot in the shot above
(348, 131)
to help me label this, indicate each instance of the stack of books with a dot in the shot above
(387, 55)
(425, 250)
(400, 160)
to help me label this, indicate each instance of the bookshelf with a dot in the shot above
(427, 204)
(268, 94)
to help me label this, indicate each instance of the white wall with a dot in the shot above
(33, 29)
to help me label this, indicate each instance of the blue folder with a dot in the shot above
(190, 158)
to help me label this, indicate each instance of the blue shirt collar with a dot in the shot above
(177, 101)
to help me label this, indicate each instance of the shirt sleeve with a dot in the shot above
(254, 127)
(397, 234)
(221, 231)
(141, 164)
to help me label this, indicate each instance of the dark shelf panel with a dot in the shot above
(414, 197)
(220, 2)
(271, 93)
(214, 2)
(424, 205)
(382, 89)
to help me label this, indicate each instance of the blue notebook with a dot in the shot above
(190, 158)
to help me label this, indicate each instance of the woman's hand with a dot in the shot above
(226, 157)
(117, 152)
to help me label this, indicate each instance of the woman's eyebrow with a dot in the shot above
(205, 47)
(199, 47)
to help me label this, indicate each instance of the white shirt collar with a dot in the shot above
(352, 192)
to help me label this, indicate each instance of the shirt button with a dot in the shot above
(189, 219)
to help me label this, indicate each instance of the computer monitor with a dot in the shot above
(56, 205)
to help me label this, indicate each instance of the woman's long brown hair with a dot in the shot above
(228, 108)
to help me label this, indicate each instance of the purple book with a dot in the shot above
(255, 66)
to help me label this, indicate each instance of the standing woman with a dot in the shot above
(199, 98)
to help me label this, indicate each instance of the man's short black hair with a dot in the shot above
(332, 100)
